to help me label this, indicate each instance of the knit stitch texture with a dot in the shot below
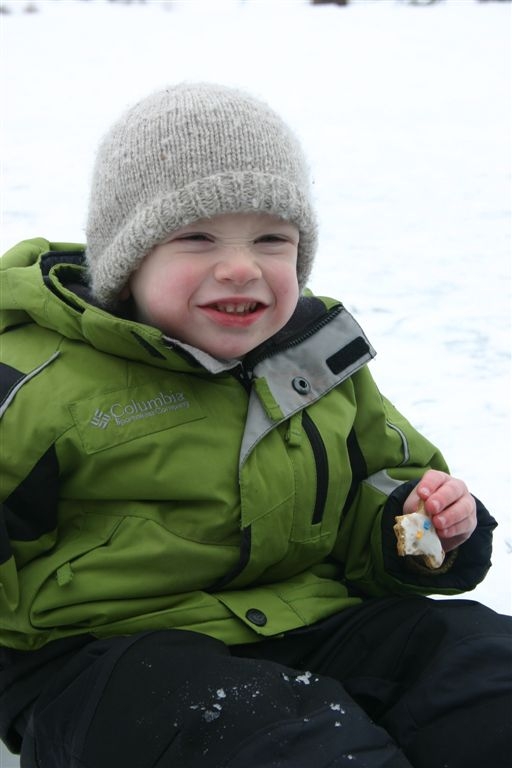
(189, 152)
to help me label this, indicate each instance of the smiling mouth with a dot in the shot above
(244, 308)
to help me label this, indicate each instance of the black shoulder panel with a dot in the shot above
(9, 378)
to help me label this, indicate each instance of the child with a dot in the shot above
(200, 481)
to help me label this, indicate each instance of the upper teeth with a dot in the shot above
(237, 308)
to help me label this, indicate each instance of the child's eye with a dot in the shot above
(271, 239)
(196, 237)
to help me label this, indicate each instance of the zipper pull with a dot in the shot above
(244, 376)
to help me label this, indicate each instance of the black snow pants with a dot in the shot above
(392, 683)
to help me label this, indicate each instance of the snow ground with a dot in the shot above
(405, 113)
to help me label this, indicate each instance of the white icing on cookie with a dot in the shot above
(417, 536)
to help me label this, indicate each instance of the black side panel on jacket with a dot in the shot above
(358, 466)
(31, 509)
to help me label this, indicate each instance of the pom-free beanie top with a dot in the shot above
(190, 152)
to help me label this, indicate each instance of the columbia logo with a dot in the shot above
(122, 413)
(100, 419)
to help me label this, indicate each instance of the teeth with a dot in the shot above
(237, 309)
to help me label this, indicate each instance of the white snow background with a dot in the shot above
(405, 114)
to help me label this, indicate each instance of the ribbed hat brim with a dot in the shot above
(246, 192)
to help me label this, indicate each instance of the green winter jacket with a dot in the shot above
(146, 485)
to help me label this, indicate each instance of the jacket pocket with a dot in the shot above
(321, 466)
(60, 582)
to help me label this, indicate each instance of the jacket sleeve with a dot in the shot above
(29, 478)
(466, 566)
(391, 457)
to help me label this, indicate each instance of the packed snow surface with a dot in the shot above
(404, 112)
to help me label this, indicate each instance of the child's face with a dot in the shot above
(223, 285)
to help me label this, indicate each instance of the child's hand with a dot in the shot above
(448, 503)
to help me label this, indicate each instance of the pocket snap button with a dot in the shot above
(257, 617)
(301, 385)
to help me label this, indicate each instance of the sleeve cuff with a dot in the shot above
(464, 567)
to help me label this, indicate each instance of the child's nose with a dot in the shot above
(238, 265)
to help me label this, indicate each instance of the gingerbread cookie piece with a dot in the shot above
(416, 535)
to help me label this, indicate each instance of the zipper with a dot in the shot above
(273, 347)
(243, 376)
(321, 463)
(244, 371)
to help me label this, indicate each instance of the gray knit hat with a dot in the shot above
(189, 152)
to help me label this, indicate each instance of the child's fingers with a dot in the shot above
(448, 495)
(456, 524)
(432, 481)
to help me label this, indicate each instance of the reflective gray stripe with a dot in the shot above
(405, 444)
(12, 394)
(382, 482)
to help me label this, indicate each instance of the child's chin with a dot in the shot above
(230, 353)
(227, 351)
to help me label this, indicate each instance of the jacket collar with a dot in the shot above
(118, 333)
(303, 372)
(47, 283)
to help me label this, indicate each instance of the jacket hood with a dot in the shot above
(47, 284)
